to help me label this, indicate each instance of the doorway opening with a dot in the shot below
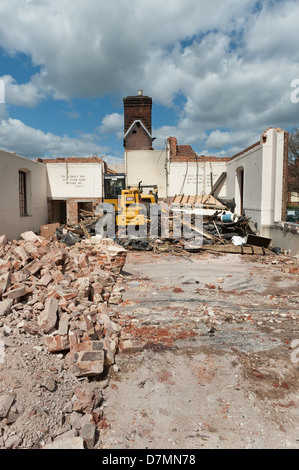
(58, 211)
(240, 190)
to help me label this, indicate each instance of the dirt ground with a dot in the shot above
(218, 368)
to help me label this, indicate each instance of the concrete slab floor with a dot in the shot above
(217, 369)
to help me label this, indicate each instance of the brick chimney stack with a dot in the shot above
(138, 108)
(173, 144)
(138, 122)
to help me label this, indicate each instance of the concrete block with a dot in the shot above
(5, 307)
(30, 237)
(88, 363)
(5, 281)
(48, 318)
(15, 293)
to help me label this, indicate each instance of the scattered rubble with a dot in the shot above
(55, 304)
(62, 331)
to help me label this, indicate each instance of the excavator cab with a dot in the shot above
(114, 184)
(129, 202)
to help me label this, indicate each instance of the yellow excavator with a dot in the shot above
(129, 203)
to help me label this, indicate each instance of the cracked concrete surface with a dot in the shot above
(216, 368)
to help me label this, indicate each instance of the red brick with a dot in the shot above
(57, 343)
(88, 397)
(88, 363)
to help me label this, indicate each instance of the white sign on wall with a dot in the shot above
(71, 180)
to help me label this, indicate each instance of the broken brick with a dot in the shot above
(33, 267)
(210, 286)
(130, 346)
(3, 241)
(57, 343)
(15, 293)
(22, 254)
(5, 281)
(31, 327)
(88, 363)
(178, 289)
(30, 236)
(88, 397)
(48, 318)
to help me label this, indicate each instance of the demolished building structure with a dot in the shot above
(61, 297)
(55, 190)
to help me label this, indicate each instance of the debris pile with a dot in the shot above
(86, 228)
(60, 298)
(65, 289)
(222, 231)
(217, 229)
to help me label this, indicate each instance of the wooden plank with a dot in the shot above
(246, 250)
(218, 182)
(200, 232)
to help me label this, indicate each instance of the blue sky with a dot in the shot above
(219, 73)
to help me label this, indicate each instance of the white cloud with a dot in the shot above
(112, 124)
(219, 139)
(275, 32)
(25, 140)
(95, 47)
(27, 94)
(231, 63)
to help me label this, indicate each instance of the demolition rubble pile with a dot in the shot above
(61, 297)
(219, 230)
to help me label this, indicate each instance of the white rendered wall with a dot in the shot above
(252, 164)
(11, 223)
(148, 166)
(191, 179)
(263, 179)
(75, 180)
